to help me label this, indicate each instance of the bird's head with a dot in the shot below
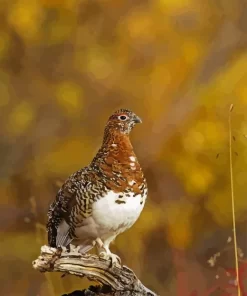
(123, 121)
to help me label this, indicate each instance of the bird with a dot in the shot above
(104, 199)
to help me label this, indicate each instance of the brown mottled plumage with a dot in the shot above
(100, 201)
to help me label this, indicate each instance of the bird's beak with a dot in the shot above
(137, 119)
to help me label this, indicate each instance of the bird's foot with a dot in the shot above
(115, 259)
(106, 254)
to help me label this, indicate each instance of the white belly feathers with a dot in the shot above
(114, 214)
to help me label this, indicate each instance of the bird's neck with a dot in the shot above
(115, 139)
(117, 146)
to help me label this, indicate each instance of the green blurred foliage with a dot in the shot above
(65, 67)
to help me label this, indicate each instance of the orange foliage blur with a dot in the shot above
(65, 67)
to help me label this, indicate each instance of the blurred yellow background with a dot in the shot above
(65, 66)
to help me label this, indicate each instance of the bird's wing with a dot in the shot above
(70, 208)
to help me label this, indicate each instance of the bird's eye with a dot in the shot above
(122, 117)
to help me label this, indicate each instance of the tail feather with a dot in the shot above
(86, 246)
(63, 237)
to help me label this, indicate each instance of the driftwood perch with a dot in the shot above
(114, 281)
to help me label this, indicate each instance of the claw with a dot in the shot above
(106, 254)
(115, 259)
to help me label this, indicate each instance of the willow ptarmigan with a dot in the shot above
(104, 199)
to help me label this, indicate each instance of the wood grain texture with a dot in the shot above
(114, 281)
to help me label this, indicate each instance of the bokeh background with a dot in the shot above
(65, 66)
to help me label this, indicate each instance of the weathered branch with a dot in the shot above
(122, 281)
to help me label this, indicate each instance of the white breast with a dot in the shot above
(114, 214)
